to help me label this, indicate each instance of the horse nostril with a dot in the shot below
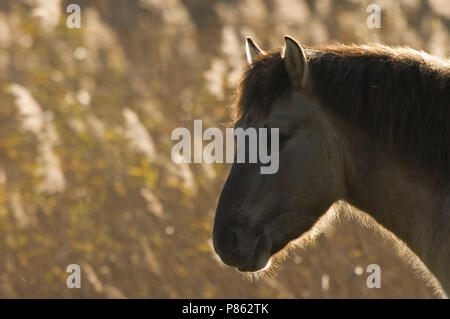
(237, 206)
(233, 241)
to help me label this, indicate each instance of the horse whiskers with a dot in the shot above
(270, 271)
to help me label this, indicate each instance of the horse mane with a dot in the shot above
(399, 96)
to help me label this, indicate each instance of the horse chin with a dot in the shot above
(261, 266)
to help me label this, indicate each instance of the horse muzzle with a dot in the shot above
(237, 249)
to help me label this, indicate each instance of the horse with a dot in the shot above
(363, 125)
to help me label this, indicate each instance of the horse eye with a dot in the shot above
(283, 138)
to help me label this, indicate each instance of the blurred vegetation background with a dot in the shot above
(85, 170)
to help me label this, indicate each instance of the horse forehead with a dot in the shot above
(256, 117)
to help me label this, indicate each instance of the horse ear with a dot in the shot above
(252, 50)
(295, 62)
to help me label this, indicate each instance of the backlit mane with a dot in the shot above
(399, 96)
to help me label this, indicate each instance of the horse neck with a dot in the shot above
(403, 200)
